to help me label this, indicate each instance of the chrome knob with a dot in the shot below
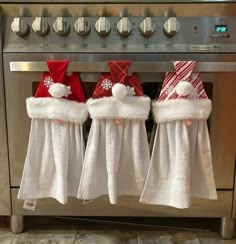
(103, 26)
(147, 27)
(19, 27)
(124, 26)
(40, 26)
(171, 26)
(61, 26)
(82, 26)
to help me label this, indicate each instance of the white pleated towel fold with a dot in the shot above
(181, 164)
(56, 145)
(117, 154)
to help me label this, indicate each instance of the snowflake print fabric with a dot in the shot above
(117, 154)
(55, 153)
(68, 91)
(169, 89)
(106, 84)
(131, 91)
(48, 81)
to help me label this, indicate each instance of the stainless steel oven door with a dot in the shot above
(20, 85)
(5, 205)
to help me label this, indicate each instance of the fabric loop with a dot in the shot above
(57, 69)
(119, 70)
(184, 69)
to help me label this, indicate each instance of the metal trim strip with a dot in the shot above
(118, 1)
(142, 67)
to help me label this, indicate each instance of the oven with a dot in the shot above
(5, 203)
(143, 35)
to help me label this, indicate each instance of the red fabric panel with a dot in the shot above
(57, 69)
(119, 70)
(69, 79)
(76, 88)
(99, 89)
(42, 90)
(118, 74)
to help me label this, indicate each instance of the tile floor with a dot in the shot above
(89, 233)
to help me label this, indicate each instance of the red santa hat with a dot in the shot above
(59, 95)
(182, 95)
(119, 95)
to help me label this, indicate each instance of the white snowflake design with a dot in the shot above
(193, 95)
(131, 91)
(68, 73)
(169, 89)
(48, 81)
(106, 84)
(68, 91)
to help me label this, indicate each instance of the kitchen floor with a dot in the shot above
(65, 231)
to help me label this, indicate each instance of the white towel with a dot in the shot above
(116, 159)
(53, 162)
(180, 165)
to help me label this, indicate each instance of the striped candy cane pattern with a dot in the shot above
(183, 72)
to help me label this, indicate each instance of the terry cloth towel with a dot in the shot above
(56, 145)
(181, 164)
(117, 155)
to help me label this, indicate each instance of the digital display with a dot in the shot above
(220, 28)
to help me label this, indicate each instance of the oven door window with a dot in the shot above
(35, 85)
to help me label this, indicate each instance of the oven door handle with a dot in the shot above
(141, 67)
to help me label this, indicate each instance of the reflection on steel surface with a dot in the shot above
(117, 1)
(146, 67)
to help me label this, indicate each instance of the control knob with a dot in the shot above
(103, 26)
(61, 26)
(82, 26)
(147, 27)
(19, 26)
(171, 26)
(124, 27)
(40, 26)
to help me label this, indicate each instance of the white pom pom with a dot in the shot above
(184, 88)
(58, 90)
(119, 91)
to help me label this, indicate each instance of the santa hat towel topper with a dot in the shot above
(56, 145)
(181, 164)
(118, 94)
(59, 95)
(57, 69)
(182, 89)
(117, 154)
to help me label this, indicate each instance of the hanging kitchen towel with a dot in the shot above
(181, 164)
(117, 155)
(55, 151)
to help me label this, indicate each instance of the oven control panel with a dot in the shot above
(120, 34)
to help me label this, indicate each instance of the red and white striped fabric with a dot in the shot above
(181, 164)
(185, 88)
